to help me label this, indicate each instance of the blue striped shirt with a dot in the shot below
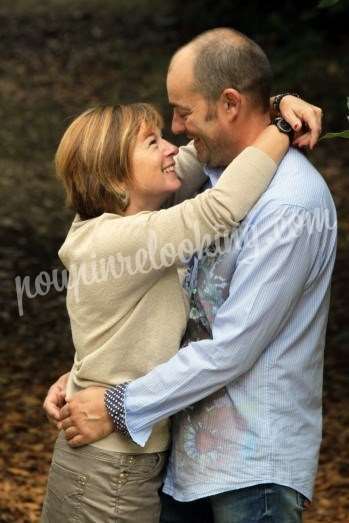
(249, 397)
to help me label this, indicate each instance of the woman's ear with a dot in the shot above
(231, 103)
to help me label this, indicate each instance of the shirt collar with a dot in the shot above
(213, 174)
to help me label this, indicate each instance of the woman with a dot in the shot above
(123, 255)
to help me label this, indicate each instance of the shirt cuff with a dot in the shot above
(138, 435)
(114, 400)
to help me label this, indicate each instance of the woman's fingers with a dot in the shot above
(298, 114)
(303, 141)
(53, 403)
(292, 119)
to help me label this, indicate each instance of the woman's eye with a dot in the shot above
(153, 142)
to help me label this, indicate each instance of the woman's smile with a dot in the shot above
(169, 169)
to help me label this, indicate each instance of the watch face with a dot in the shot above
(284, 126)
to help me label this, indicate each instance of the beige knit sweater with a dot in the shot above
(126, 305)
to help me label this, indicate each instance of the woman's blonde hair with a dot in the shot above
(93, 159)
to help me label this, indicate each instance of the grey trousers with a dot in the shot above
(90, 485)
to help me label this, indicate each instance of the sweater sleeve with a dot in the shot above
(171, 236)
(190, 171)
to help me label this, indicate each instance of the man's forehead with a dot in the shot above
(181, 95)
(179, 78)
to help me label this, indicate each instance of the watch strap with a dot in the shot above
(277, 99)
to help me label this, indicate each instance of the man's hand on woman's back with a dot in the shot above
(84, 417)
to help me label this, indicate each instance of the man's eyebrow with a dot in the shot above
(178, 106)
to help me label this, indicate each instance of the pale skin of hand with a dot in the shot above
(84, 418)
(298, 112)
(55, 400)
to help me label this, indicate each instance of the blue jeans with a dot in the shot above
(268, 503)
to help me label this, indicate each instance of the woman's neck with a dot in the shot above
(138, 204)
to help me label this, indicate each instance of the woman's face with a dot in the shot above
(153, 170)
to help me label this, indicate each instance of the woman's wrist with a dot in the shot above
(284, 127)
(272, 142)
(63, 380)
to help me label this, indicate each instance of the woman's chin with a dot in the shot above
(174, 183)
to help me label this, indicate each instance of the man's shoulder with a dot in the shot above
(298, 183)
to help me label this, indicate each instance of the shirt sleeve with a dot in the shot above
(276, 251)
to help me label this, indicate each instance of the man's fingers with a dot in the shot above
(66, 423)
(76, 441)
(71, 432)
(65, 412)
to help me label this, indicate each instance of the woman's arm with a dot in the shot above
(273, 143)
(294, 110)
(159, 239)
(298, 112)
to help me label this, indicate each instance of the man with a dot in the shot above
(247, 385)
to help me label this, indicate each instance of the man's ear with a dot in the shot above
(231, 103)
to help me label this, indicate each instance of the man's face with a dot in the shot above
(194, 116)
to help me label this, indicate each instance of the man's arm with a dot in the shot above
(275, 252)
(278, 250)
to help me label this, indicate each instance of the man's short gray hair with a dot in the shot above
(227, 58)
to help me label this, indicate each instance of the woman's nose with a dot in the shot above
(170, 149)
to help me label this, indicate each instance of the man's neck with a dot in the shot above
(250, 129)
(245, 132)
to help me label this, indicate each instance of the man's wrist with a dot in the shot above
(114, 400)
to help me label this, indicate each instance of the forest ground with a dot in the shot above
(47, 75)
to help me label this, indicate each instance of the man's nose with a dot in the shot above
(177, 125)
